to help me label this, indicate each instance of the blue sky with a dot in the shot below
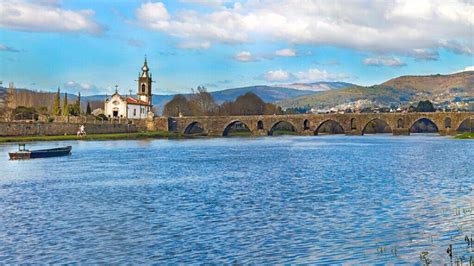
(90, 46)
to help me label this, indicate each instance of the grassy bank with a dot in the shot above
(466, 135)
(115, 136)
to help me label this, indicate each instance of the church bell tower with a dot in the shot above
(144, 84)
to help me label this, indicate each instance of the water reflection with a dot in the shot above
(333, 199)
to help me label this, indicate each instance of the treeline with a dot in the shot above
(201, 103)
(42, 102)
(18, 104)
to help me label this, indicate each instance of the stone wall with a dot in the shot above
(309, 124)
(50, 129)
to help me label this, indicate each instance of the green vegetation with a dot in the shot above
(56, 109)
(466, 135)
(115, 136)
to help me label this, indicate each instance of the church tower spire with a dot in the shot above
(144, 84)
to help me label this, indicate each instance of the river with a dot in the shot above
(324, 199)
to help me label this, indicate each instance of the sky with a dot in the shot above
(92, 45)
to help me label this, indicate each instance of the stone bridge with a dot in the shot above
(447, 123)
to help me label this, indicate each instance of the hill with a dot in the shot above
(435, 84)
(441, 89)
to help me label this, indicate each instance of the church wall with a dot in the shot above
(139, 114)
(109, 106)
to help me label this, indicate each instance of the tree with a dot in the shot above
(6, 96)
(56, 109)
(65, 106)
(88, 109)
(179, 104)
(249, 104)
(78, 104)
(202, 102)
(425, 106)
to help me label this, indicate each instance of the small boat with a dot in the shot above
(24, 153)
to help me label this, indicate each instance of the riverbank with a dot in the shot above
(465, 136)
(114, 136)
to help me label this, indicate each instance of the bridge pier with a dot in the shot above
(259, 133)
(401, 131)
(447, 132)
(354, 132)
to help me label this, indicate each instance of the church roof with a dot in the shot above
(131, 100)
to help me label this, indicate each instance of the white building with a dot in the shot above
(118, 106)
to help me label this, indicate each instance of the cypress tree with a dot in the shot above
(65, 106)
(78, 104)
(88, 110)
(56, 109)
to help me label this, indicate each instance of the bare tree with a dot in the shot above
(202, 102)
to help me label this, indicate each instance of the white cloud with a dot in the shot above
(468, 68)
(210, 3)
(399, 27)
(286, 52)
(8, 49)
(388, 61)
(245, 56)
(277, 76)
(82, 87)
(46, 16)
(310, 75)
(195, 45)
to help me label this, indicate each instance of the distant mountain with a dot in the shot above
(318, 86)
(402, 90)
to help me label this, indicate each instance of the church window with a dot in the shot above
(143, 87)
(134, 112)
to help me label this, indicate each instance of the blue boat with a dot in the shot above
(24, 153)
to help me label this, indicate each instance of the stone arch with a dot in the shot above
(260, 125)
(376, 125)
(400, 123)
(353, 124)
(229, 127)
(425, 120)
(447, 122)
(466, 125)
(194, 128)
(279, 123)
(334, 127)
(306, 124)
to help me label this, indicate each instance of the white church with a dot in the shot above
(118, 106)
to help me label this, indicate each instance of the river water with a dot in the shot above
(325, 199)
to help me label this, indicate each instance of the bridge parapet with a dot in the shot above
(447, 123)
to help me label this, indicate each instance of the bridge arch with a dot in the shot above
(353, 124)
(306, 124)
(425, 125)
(447, 122)
(194, 128)
(329, 127)
(236, 125)
(376, 125)
(466, 125)
(286, 125)
(400, 123)
(260, 125)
